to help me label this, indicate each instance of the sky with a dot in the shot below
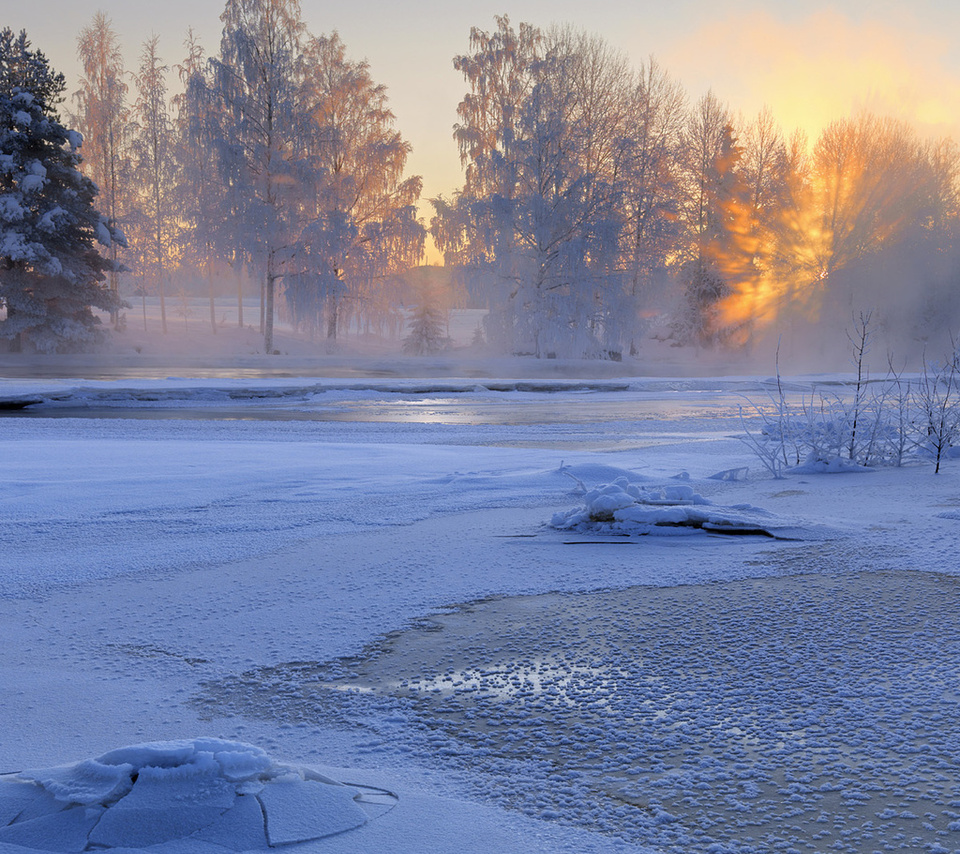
(810, 63)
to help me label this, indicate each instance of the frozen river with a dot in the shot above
(360, 573)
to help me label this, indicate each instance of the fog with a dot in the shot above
(608, 220)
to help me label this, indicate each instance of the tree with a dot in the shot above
(428, 322)
(103, 120)
(651, 175)
(360, 229)
(201, 197)
(51, 273)
(257, 80)
(754, 272)
(712, 197)
(540, 215)
(152, 149)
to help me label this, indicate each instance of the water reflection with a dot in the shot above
(462, 409)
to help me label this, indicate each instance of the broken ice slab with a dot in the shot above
(240, 828)
(67, 831)
(299, 810)
(86, 783)
(167, 803)
(16, 796)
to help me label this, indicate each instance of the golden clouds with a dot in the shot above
(814, 69)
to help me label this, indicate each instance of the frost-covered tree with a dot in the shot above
(103, 119)
(204, 213)
(360, 230)
(427, 329)
(715, 202)
(258, 82)
(153, 169)
(540, 216)
(657, 111)
(51, 272)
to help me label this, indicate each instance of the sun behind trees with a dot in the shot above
(600, 208)
(595, 200)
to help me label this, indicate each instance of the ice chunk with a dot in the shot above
(158, 754)
(15, 797)
(167, 803)
(299, 810)
(137, 828)
(65, 831)
(241, 827)
(239, 766)
(86, 783)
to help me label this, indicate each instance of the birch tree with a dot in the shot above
(652, 168)
(257, 78)
(541, 138)
(103, 118)
(199, 191)
(152, 150)
(359, 222)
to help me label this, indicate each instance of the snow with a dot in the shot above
(103, 233)
(32, 183)
(429, 613)
(215, 792)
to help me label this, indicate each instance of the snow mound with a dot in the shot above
(217, 794)
(625, 508)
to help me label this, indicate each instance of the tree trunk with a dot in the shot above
(263, 305)
(213, 308)
(332, 316)
(163, 303)
(269, 290)
(239, 297)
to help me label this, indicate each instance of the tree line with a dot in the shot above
(599, 205)
(279, 156)
(596, 195)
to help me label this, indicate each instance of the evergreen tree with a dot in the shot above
(427, 329)
(51, 272)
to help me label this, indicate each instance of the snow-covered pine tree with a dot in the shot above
(427, 330)
(51, 272)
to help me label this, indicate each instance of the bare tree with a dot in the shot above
(539, 220)
(152, 149)
(652, 173)
(102, 117)
(199, 192)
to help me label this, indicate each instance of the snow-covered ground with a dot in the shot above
(361, 576)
